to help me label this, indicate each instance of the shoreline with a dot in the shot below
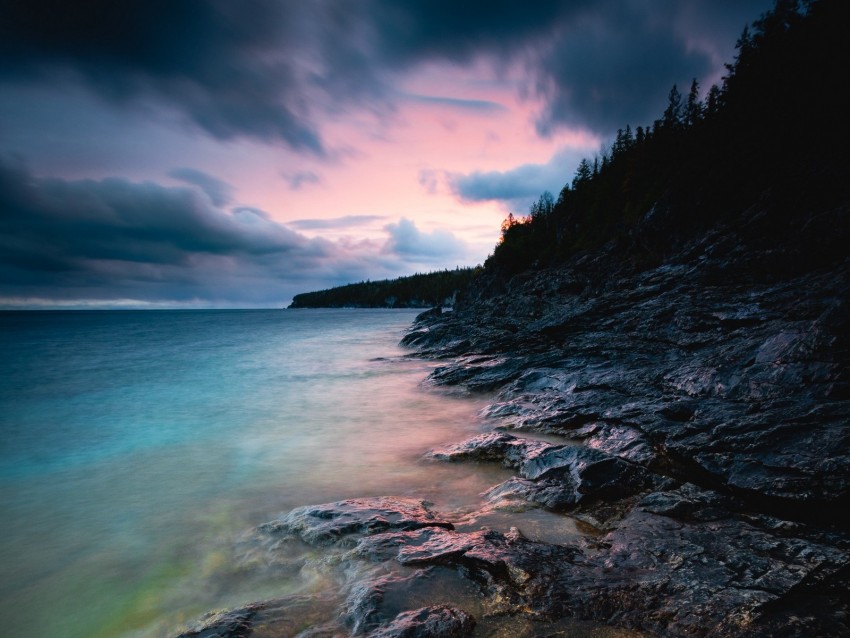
(705, 449)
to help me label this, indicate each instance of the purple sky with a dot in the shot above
(233, 154)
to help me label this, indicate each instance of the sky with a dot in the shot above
(214, 153)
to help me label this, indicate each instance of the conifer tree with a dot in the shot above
(673, 113)
(712, 100)
(583, 173)
(693, 107)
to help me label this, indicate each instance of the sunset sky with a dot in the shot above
(232, 154)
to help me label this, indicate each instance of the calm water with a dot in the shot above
(138, 448)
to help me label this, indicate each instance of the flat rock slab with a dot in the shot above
(332, 523)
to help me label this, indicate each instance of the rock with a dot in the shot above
(362, 611)
(624, 441)
(438, 621)
(553, 495)
(428, 316)
(568, 474)
(235, 623)
(719, 577)
(493, 446)
(346, 520)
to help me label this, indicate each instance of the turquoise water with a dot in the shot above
(137, 448)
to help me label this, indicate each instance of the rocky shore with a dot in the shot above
(705, 399)
(697, 413)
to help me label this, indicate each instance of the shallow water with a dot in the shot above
(139, 448)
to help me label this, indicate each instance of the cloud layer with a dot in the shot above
(346, 114)
(276, 70)
(113, 238)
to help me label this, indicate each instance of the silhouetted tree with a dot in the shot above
(583, 173)
(542, 208)
(673, 113)
(712, 100)
(693, 107)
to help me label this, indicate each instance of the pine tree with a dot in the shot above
(673, 113)
(712, 100)
(693, 108)
(583, 173)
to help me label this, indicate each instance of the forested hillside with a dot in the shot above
(417, 291)
(775, 132)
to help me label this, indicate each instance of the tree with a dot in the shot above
(712, 100)
(506, 225)
(673, 113)
(543, 207)
(693, 107)
(583, 173)
(625, 140)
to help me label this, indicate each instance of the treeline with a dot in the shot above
(417, 291)
(776, 127)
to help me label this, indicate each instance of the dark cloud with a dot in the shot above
(615, 69)
(224, 65)
(517, 186)
(272, 70)
(614, 65)
(115, 239)
(459, 32)
(347, 221)
(407, 240)
(219, 192)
